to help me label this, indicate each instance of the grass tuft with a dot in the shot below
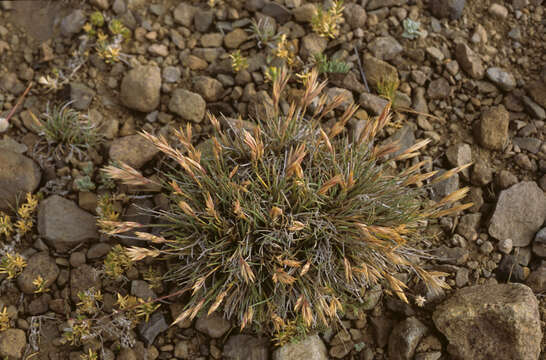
(285, 227)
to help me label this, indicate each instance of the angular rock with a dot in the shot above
(189, 105)
(537, 280)
(469, 61)
(498, 11)
(209, 88)
(519, 213)
(140, 88)
(305, 12)
(39, 264)
(155, 326)
(12, 344)
(81, 96)
(18, 175)
(277, 11)
(372, 103)
(537, 91)
(493, 128)
(246, 347)
(133, 150)
(533, 109)
(346, 94)
(355, 15)
(312, 44)
(183, 14)
(214, 325)
(64, 225)
(235, 38)
(385, 48)
(502, 78)
(310, 348)
(452, 9)
(405, 337)
(458, 155)
(439, 89)
(203, 20)
(377, 70)
(486, 322)
(73, 23)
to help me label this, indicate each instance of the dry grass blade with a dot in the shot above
(127, 175)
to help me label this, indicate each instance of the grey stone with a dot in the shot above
(458, 155)
(439, 89)
(377, 4)
(493, 128)
(385, 47)
(203, 20)
(310, 348)
(537, 91)
(469, 61)
(18, 175)
(81, 96)
(12, 344)
(83, 278)
(134, 150)
(404, 138)
(209, 88)
(452, 9)
(533, 108)
(331, 93)
(189, 105)
(372, 103)
(452, 256)
(537, 279)
(528, 143)
(519, 213)
(482, 174)
(505, 246)
(38, 264)
(140, 88)
(183, 14)
(246, 347)
(235, 38)
(64, 225)
(141, 289)
(468, 226)
(73, 23)
(98, 250)
(498, 11)
(277, 11)
(378, 70)
(355, 16)
(312, 44)
(485, 322)
(151, 329)
(539, 243)
(214, 325)
(405, 337)
(445, 187)
(305, 12)
(502, 78)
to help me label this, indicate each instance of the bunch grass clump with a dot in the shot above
(67, 131)
(285, 226)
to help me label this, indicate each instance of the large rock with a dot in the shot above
(40, 264)
(519, 213)
(189, 105)
(469, 61)
(486, 322)
(377, 70)
(73, 23)
(63, 224)
(372, 103)
(18, 174)
(405, 337)
(311, 348)
(12, 344)
(133, 150)
(493, 130)
(183, 14)
(246, 347)
(140, 88)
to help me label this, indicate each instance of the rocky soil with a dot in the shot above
(473, 81)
